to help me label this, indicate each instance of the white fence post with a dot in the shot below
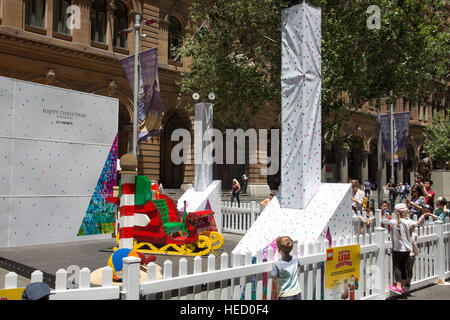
(37, 276)
(11, 280)
(380, 271)
(131, 273)
(252, 213)
(440, 252)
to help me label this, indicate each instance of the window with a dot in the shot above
(174, 37)
(98, 21)
(35, 13)
(120, 23)
(60, 16)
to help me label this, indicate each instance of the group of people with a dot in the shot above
(401, 222)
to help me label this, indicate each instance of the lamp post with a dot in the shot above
(392, 138)
(137, 27)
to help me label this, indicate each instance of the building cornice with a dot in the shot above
(44, 48)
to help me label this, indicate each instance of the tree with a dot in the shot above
(240, 59)
(437, 141)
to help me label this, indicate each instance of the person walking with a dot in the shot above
(402, 192)
(235, 188)
(244, 183)
(392, 194)
(285, 271)
(367, 189)
(401, 230)
(407, 189)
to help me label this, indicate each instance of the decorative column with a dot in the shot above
(202, 159)
(383, 181)
(128, 164)
(399, 172)
(301, 86)
(129, 129)
(343, 168)
(83, 35)
(110, 7)
(364, 166)
(49, 18)
(257, 175)
(189, 166)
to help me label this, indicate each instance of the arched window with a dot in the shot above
(35, 13)
(60, 16)
(98, 21)
(174, 37)
(120, 23)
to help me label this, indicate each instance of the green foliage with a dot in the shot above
(437, 140)
(240, 60)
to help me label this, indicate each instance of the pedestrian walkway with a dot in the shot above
(433, 292)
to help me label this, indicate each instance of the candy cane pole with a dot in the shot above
(128, 164)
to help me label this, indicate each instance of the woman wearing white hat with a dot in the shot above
(401, 229)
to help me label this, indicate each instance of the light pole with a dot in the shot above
(137, 27)
(392, 138)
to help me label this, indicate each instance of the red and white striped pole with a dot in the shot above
(128, 164)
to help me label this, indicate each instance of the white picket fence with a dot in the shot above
(239, 220)
(432, 265)
(107, 291)
(238, 273)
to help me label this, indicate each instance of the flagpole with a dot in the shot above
(136, 83)
(392, 139)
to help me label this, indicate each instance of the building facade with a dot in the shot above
(37, 45)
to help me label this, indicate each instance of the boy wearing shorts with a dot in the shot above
(285, 271)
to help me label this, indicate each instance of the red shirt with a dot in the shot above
(430, 200)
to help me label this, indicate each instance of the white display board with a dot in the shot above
(54, 147)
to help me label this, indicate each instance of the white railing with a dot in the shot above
(237, 280)
(239, 220)
(246, 276)
(107, 291)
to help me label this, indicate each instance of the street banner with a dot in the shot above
(150, 105)
(342, 273)
(401, 131)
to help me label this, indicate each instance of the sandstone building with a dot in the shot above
(37, 46)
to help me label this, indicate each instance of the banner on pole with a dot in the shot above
(150, 105)
(401, 132)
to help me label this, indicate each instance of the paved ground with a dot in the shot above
(92, 254)
(433, 292)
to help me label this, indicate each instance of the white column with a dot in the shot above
(301, 87)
